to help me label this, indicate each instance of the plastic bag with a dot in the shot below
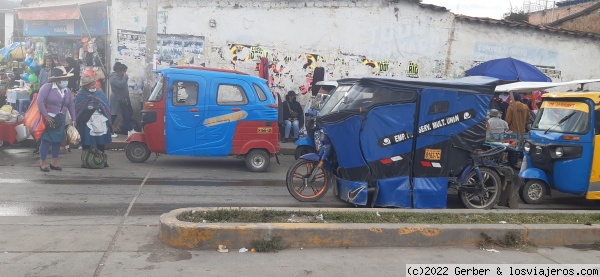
(73, 136)
(22, 132)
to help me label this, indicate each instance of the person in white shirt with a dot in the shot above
(496, 127)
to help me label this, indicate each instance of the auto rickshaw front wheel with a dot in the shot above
(533, 191)
(306, 185)
(137, 152)
(258, 160)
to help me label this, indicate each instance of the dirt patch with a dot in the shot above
(511, 240)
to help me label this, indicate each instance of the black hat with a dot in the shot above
(290, 93)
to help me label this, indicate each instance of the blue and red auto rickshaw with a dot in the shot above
(204, 112)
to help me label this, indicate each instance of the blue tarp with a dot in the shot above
(6, 51)
(509, 69)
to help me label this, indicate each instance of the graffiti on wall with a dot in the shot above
(312, 61)
(243, 52)
(379, 68)
(413, 70)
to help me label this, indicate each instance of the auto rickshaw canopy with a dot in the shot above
(594, 96)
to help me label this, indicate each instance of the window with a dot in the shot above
(157, 91)
(364, 98)
(185, 93)
(261, 93)
(231, 95)
(439, 107)
(563, 117)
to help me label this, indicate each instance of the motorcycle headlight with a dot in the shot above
(319, 134)
(527, 146)
(559, 151)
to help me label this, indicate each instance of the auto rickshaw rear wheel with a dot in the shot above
(533, 191)
(490, 195)
(300, 184)
(303, 150)
(137, 152)
(258, 160)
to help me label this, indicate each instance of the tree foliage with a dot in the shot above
(518, 16)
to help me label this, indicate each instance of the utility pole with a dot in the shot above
(151, 38)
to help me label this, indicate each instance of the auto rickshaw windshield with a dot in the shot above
(363, 98)
(334, 99)
(157, 91)
(563, 117)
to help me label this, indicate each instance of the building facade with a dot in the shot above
(346, 37)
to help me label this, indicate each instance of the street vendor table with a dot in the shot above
(8, 132)
(13, 95)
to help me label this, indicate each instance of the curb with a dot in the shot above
(208, 236)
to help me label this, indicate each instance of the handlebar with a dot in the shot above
(494, 151)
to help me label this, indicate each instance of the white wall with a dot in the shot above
(571, 57)
(344, 33)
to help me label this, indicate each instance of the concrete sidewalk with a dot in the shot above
(112, 246)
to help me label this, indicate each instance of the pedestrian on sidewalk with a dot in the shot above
(120, 91)
(93, 111)
(54, 100)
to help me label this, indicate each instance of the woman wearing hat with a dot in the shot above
(292, 115)
(54, 100)
(93, 115)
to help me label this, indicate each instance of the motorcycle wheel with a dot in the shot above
(137, 152)
(303, 150)
(533, 192)
(491, 194)
(299, 186)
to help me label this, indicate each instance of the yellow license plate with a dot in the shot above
(433, 154)
(265, 130)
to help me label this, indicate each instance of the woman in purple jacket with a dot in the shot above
(54, 100)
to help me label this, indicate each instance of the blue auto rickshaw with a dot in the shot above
(563, 149)
(402, 142)
(338, 89)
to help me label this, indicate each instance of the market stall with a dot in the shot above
(11, 126)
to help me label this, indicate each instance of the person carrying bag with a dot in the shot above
(93, 123)
(53, 101)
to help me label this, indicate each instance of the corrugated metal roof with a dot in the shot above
(524, 25)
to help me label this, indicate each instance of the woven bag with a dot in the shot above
(93, 159)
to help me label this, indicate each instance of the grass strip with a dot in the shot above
(274, 216)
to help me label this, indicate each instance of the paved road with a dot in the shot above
(160, 185)
(82, 222)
